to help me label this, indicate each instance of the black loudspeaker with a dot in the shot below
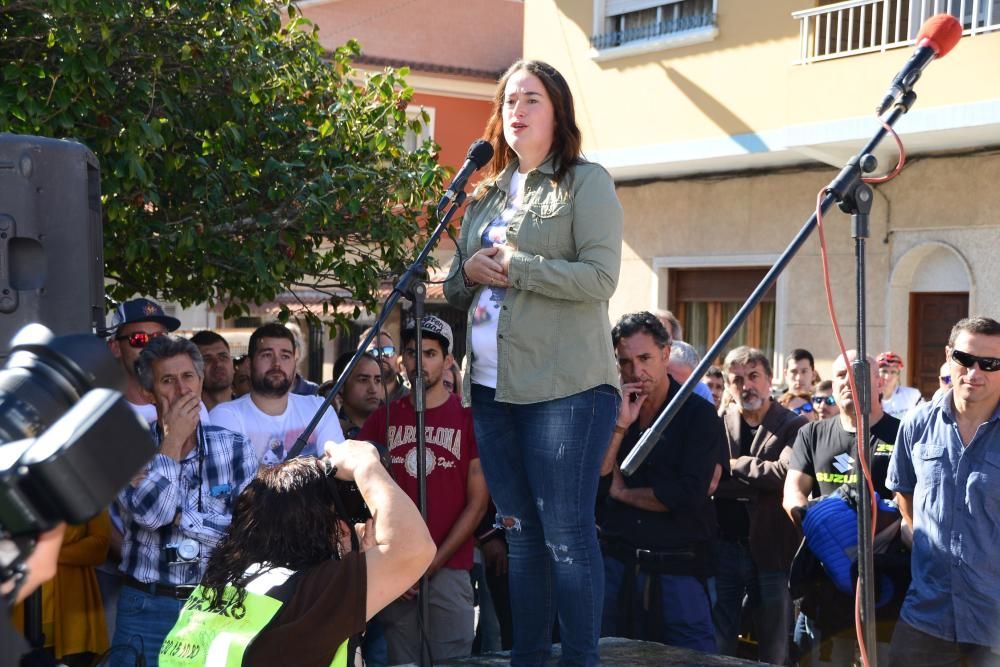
(51, 240)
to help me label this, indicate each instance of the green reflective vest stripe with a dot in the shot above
(220, 638)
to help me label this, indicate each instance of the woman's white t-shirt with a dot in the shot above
(487, 313)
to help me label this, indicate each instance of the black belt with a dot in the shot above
(180, 592)
(631, 555)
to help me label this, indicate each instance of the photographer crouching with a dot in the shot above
(284, 586)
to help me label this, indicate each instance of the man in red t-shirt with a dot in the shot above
(456, 500)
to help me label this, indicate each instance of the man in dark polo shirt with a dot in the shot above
(657, 525)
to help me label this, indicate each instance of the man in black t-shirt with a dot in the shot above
(822, 460)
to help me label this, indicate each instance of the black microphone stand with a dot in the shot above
(411, 287)
(855, 197)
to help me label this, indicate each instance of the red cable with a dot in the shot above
(899, 164)
(861, 446)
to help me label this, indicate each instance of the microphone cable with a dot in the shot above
(860, 445)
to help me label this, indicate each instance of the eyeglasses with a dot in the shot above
(988, 364)
(804, 408)
(945, 378)
(384, 351)
(139, 339)
(820, 400)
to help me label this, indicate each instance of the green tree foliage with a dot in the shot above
(238, 159)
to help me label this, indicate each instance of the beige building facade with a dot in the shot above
(721, 120)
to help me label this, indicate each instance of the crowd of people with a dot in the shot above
(223, 547)
(701, 548)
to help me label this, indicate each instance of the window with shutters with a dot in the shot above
(631, 25)
(705, 300)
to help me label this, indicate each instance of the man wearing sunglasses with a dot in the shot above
(134, 324)
(383, 349)
(823, 459)
(944, 381)
(946, 474)
(824, 401)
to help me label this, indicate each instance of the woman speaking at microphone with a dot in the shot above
(541, 243)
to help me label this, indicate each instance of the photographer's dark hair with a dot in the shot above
(270, 330)
(285, 517)
(164, 347)
(642, 322)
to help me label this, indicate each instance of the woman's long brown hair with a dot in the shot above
(566, 141)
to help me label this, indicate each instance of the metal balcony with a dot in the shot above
(863, 26)
(652, 31)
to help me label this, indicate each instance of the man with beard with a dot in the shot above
(456, 500)
(270, 416)
(757, 540)
(218, 385)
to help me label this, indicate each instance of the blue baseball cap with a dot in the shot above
(142, 310)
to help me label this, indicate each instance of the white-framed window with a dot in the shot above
(413, 140)
(630, 26)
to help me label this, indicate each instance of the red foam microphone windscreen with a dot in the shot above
(941, 32)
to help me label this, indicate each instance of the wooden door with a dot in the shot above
(932, 315)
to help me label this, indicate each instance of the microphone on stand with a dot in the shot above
(938, 35)
(480, 152)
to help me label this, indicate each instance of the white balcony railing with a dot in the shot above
(862, 26)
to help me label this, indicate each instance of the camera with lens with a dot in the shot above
(183, 552)
(354, 509)
(68, 439)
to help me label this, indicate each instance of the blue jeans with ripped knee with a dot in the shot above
(542, 463)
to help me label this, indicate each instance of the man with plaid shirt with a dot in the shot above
(179, 506)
